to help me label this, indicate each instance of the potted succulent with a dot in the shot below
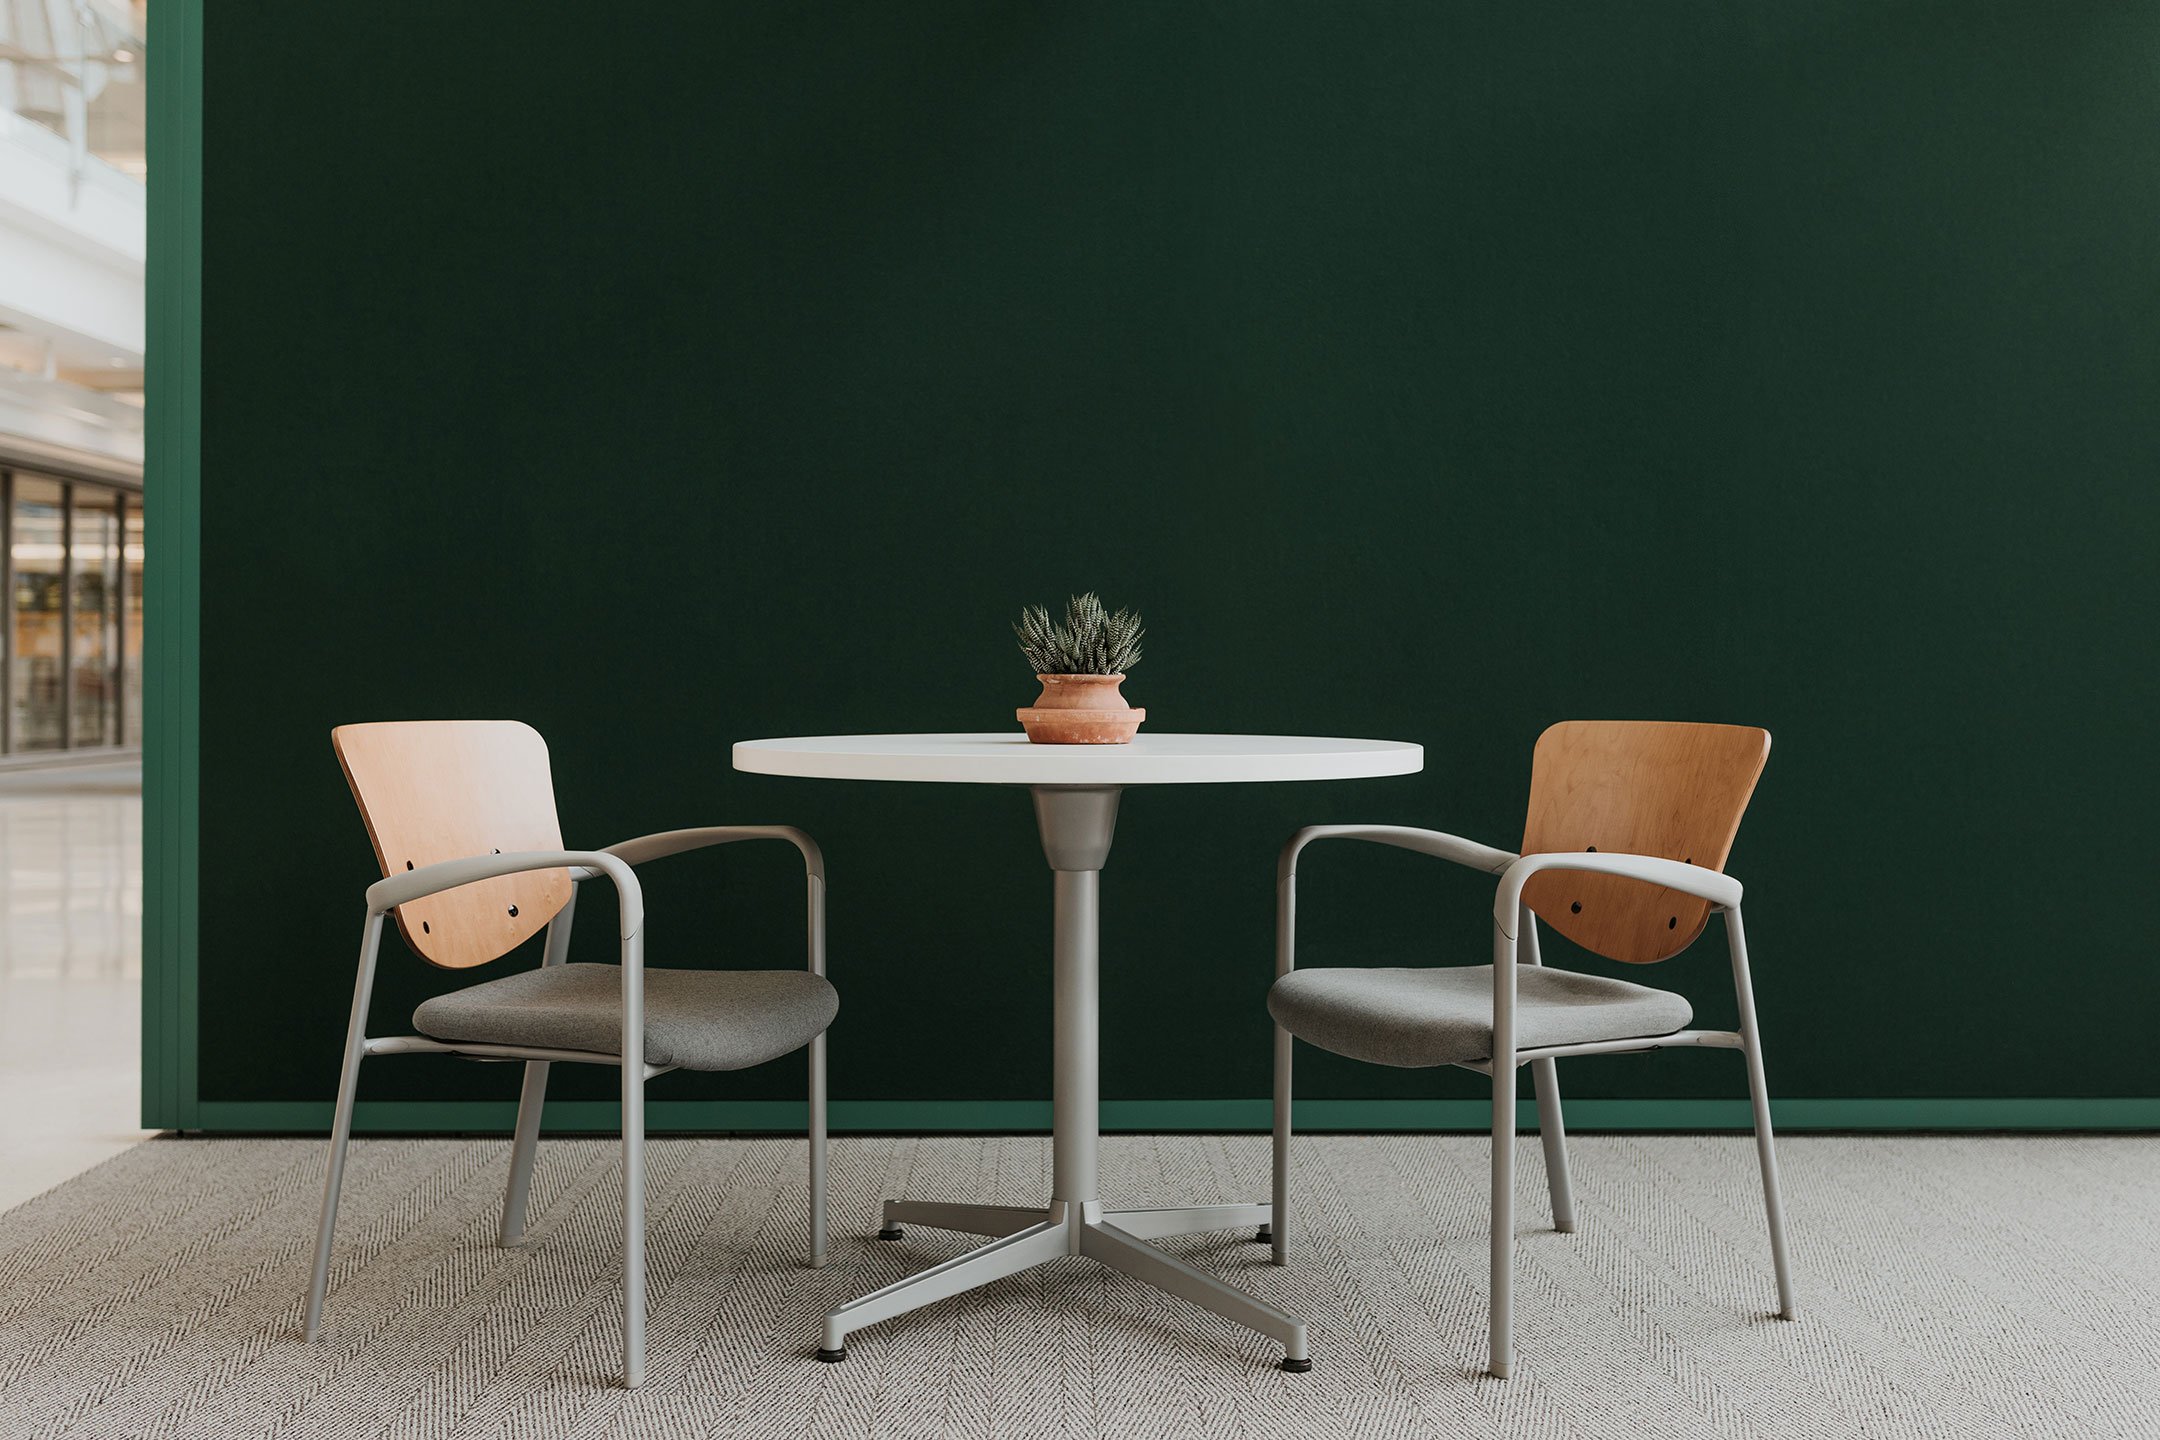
(1081, 663)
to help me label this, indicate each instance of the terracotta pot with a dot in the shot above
(1081, 710)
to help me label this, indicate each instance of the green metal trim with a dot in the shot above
(566, 1117)
(172, 572)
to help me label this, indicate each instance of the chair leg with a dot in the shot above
(1545, 1077)
(633, 1158)
(1552, 1131)
(524, 1147)
(341, 1122)
(1501, 1354)
(1277, 1231)
(333, 1182)
(633, 1227)
(817, 1153)
(1759, 1094)
(1773, 1199)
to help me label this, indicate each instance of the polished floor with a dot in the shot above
(70, 972)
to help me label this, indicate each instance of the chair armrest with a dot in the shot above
(1712, 885)
(674, 842)
(395, 890)
(1435, 843)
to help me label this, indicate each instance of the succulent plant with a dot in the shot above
(1091, 641)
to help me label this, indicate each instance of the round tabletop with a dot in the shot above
(1012, 759)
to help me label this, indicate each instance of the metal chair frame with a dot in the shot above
(617, 864)
(1515, 942)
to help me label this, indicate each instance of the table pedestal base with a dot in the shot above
(1076, 824)
(1029, 1237)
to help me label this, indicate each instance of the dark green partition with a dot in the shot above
(1422, 371)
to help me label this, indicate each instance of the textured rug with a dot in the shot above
(1969, 1287)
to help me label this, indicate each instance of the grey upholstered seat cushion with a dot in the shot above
(1443, 1016)
(698, 1019)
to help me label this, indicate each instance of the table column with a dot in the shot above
(1076, 826)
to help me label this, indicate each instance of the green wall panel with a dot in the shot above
(172, 575)
(1429, 372)
(602, 1117)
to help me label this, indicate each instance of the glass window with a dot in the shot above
(75, 615)
(35, 651)
(94, 557)
(131, 612)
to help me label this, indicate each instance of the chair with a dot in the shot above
(1629, 828)
(462, 816)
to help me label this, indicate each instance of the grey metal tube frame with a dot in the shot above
(1076, 824)
(616, 864)
(1511, 946)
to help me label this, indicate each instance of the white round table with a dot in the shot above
(1076, 789)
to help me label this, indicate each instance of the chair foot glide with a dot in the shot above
(892, 1232)
(1295, 1367)
(833, 1357)
(1264, 1236)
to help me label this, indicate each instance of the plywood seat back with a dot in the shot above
(1636, 787)
(433, 790)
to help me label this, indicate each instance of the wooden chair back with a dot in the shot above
(432, 790)
(1636, 787)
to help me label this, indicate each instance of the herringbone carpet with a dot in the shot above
(1970, 1287)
